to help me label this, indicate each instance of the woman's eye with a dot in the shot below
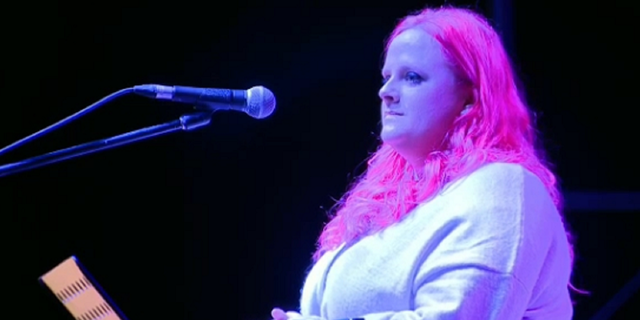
(413, 77)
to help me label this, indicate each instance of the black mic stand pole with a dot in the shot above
(186, 122)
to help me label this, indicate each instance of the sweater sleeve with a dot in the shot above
(488, 253)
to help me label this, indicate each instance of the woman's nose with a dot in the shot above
(388, 94)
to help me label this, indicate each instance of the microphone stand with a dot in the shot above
(186, 122)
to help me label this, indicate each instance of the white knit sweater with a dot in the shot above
(491, 246)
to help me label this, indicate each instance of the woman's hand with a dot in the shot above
(279, 314)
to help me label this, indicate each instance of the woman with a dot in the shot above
(457, 215)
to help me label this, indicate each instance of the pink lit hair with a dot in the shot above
(498, 127)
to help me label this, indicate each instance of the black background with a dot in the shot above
(219, 223)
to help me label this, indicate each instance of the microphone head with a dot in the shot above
(260, 102)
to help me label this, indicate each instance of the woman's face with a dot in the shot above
(421, 95)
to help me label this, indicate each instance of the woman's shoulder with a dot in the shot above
(501, 185)
(493, 177)
(498, 171)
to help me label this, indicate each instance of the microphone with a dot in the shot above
(258, 102)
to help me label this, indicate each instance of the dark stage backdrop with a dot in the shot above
(220, 223)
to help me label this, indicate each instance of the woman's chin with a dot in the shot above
(390, 136)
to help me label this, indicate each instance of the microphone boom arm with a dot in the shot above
(186, 122)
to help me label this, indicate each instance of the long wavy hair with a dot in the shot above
(498, 127)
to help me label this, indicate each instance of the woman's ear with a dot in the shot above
(472, 96)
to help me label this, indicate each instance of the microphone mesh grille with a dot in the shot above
(261, 102)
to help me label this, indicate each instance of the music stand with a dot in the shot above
(80, 293)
